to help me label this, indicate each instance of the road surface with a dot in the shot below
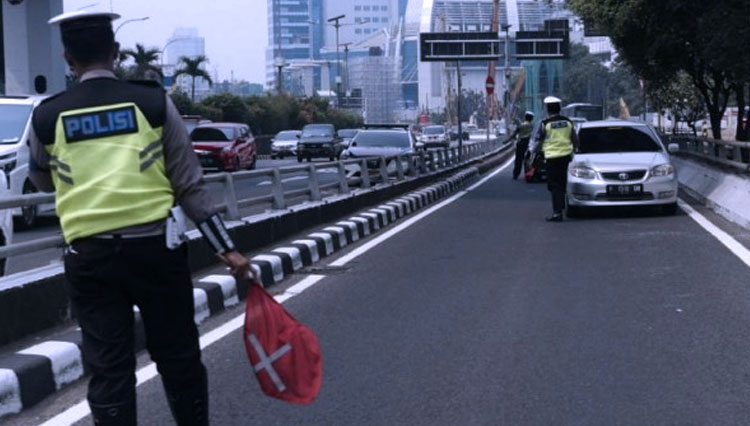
(482, 313)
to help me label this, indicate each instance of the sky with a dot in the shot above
(235, 30)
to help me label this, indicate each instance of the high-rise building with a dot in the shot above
(186, 42)
(295, 36)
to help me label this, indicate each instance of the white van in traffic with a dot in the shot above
(15, 125)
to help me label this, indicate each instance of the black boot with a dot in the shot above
(556, 217)
(189, 406)
(120, 414)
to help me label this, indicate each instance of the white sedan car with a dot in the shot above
(621, 163)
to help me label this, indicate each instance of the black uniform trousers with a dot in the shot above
(557, 180)
(521, 146)
(105, 278)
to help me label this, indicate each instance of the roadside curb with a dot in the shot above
(32, 374)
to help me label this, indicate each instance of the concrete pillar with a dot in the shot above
(33, 50)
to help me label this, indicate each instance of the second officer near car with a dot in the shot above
(119, 161)
(524, 133)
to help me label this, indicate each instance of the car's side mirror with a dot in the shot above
(298, 136)
(673, 148)
(353, 143)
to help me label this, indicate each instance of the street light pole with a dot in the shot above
(130, 20)
(337, 25)
(506, 65)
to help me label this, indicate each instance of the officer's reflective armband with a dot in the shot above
(216, 234)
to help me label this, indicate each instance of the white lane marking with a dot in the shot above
(77, 412)
(729, 242)
(10, 392)
(409, 222)
(65, 357)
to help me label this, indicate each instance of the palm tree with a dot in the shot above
(144, 61)
(192, 67)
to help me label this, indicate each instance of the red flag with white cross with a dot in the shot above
(284, 353)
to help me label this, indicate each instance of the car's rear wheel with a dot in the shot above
(29, 214)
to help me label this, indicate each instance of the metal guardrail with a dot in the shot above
(380, 171)
(729, 153)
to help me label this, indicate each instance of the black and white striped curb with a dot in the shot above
(30, 375)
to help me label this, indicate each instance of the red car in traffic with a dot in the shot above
(224, 146)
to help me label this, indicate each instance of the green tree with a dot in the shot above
(144, 59)
(682, 99)
(660, 38)
(232, 108)
(192, 68)
(585, 78)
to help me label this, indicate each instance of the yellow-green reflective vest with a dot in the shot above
(108, 169)
(558, 139)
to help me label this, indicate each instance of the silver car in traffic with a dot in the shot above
(621, 163)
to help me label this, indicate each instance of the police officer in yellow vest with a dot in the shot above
(524, 133)
(558, 141)
(119, 160)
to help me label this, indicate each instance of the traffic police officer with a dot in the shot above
(558, 141)
(118, 158)
(524, 133)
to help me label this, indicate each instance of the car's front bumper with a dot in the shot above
(316, 150)
(284, 150)
(593, 192)
(214, 162)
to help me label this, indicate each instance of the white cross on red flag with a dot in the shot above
(284, 353)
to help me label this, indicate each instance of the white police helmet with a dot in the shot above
(552, 100)
(83, 19)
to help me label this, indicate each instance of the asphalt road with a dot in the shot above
(621, 318)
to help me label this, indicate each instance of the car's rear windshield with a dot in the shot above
(13, 119)
(393, 139)
(597, 140)
(287, 136)
(317, 131)
(433, 130)
(347, 133)
(212, 134)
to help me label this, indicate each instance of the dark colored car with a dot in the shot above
(318, 140)
(224, 146)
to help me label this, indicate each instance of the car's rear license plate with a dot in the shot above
(624, 190)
